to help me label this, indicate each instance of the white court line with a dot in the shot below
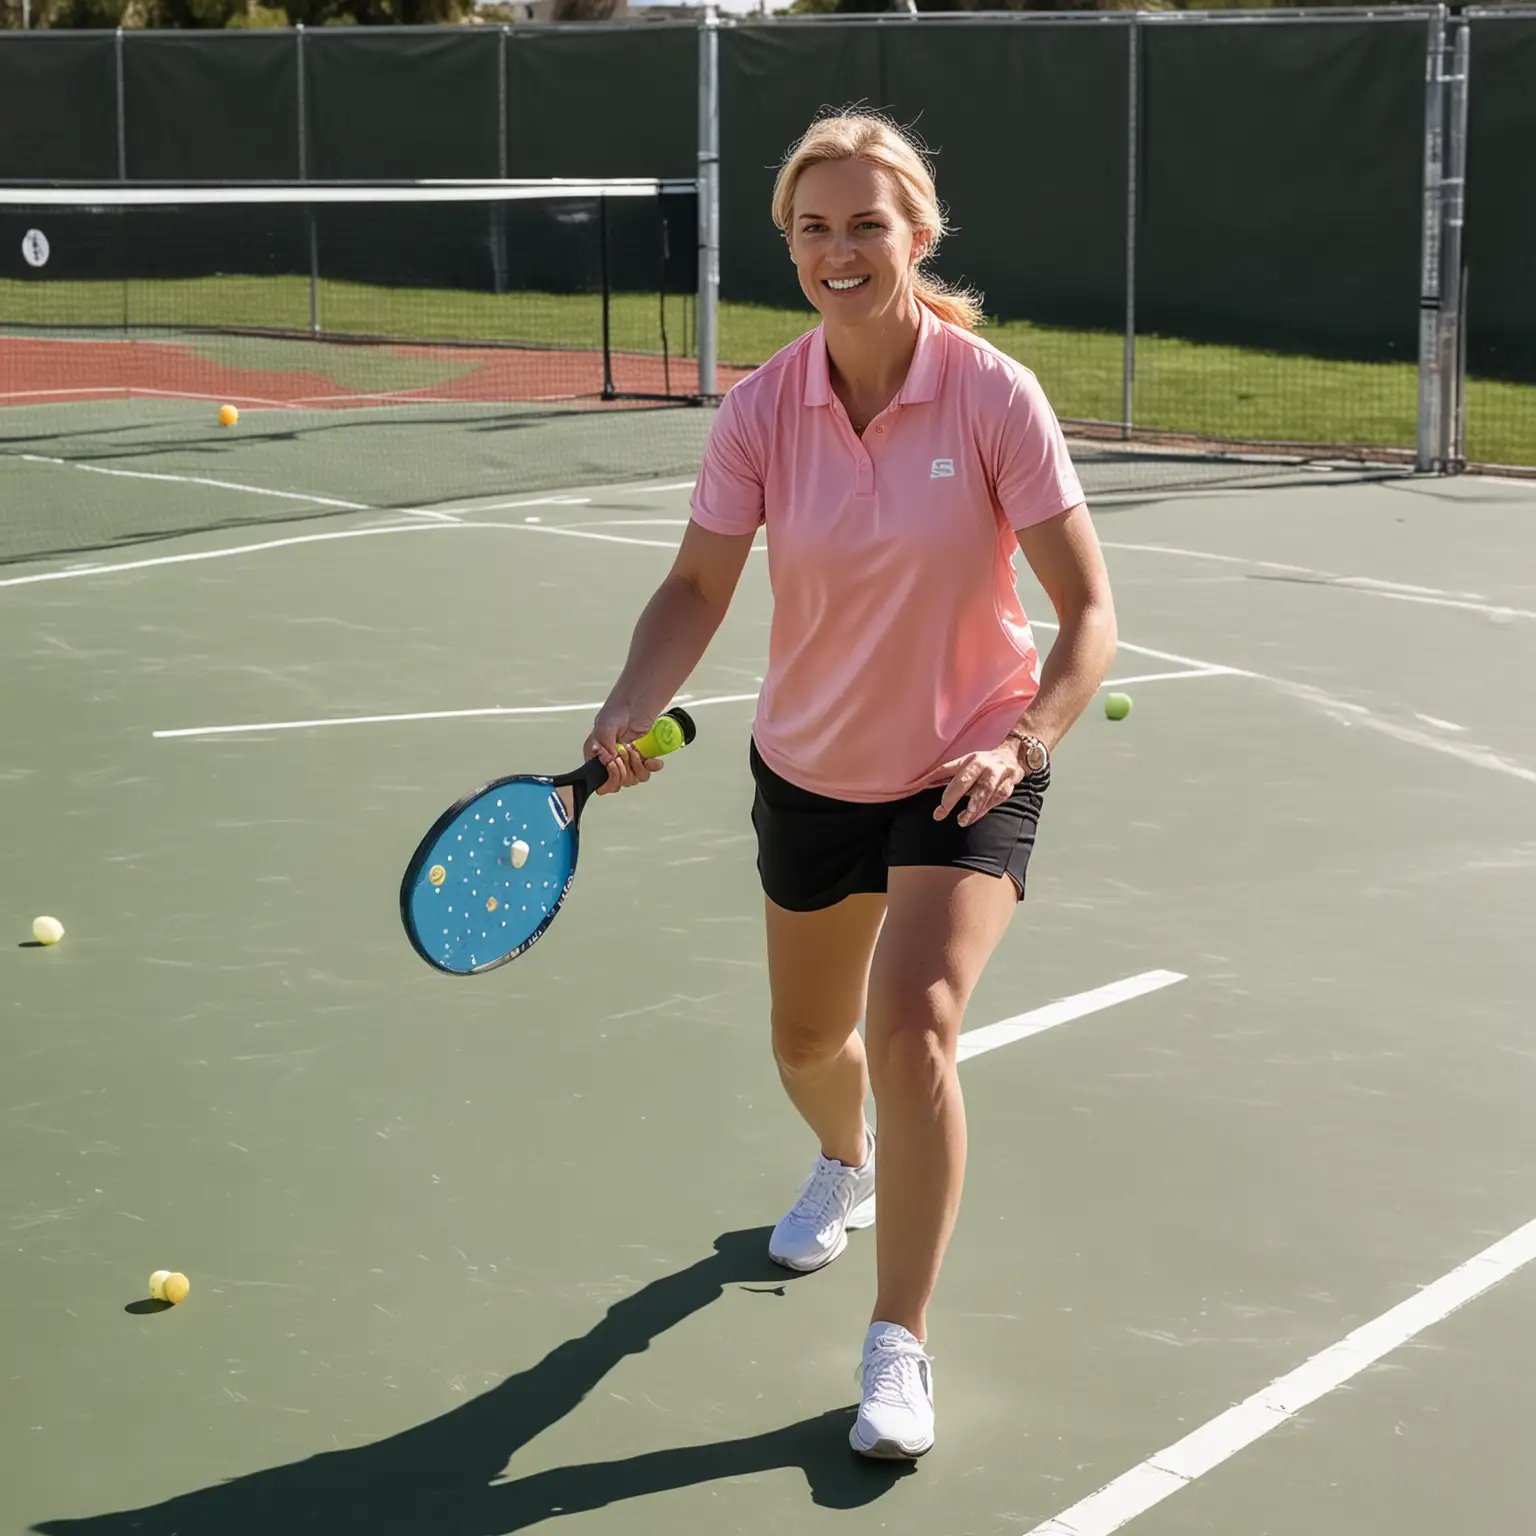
(433, 714)
(260, 401)
(1404, 586)
(1338, 709)
(973, 1042)
(634, 522)
(39, 394)
(501, 506)
(625, 488)
(580, 533)
(1204, 554)
(640, 487)
(533, 709)
(1176, 1466)
(75, 571)
(136, 391)
(1445, 725)
(321, 501)
(1345, 712)
(1168, 677)
(221, 485)
(1369, 586)
(1497, 609)
(1206, 668)
(718, 698)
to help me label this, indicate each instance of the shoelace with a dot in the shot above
(817, 1194)
(896, 1368)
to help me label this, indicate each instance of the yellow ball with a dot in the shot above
(228, 415)
(47, 930)
(157, 1284)
(174, 1288)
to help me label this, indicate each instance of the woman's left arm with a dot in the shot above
(1064, 554)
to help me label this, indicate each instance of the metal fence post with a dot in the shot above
(1453, 182)
(1132, 175)
(122, 114)
(1431, 394)
(709, 200)
(501, 103)
(303, 136)
(309, 208)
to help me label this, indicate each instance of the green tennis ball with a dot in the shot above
(1117, 705)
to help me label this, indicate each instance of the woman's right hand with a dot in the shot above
(617, 726)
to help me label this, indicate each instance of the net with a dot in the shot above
(385, 346)
(411, 346)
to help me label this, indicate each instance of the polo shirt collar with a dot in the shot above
(921, 383)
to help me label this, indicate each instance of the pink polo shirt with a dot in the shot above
(898, 639)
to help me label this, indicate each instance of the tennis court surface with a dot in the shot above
(1246, 1239)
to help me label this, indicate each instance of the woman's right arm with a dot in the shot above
(670, 638)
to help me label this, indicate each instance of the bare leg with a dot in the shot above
(818, 970)
(942, 928)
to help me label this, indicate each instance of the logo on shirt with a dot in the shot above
(943, 469)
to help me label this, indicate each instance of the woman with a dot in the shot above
(902, 741)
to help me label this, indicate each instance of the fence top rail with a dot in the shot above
(1364, 13)
(433, 29)
(1418, 13)
(110, 195)
(1499, 13)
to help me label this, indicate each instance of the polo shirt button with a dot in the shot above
(879, 429)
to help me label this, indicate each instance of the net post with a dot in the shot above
(122, 112)
(605, 258)
(709, 201)
(1454, 202)
(314, 269)
(1431, 394)
(1132, 175)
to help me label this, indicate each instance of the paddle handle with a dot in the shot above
(673, 730)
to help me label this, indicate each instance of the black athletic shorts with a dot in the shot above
(813, 851)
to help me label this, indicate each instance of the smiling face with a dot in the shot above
(853, 246)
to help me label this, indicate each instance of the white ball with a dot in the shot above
(519, 854)
(157, 1284)
(47, 930)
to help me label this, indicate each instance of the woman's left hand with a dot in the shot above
(989, 778)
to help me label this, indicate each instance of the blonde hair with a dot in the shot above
(877, 141)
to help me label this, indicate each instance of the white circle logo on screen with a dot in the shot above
(34, 247)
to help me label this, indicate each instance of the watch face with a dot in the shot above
(1034, 756)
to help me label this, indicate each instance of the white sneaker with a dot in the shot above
(896, 1415)
(834, 1199)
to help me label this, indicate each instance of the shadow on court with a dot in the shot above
(441, 1477)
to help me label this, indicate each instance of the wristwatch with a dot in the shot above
(1032, 752)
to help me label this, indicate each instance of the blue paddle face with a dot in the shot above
(470, 904)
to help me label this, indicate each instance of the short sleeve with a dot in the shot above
(728, 496)
(1036, 478)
